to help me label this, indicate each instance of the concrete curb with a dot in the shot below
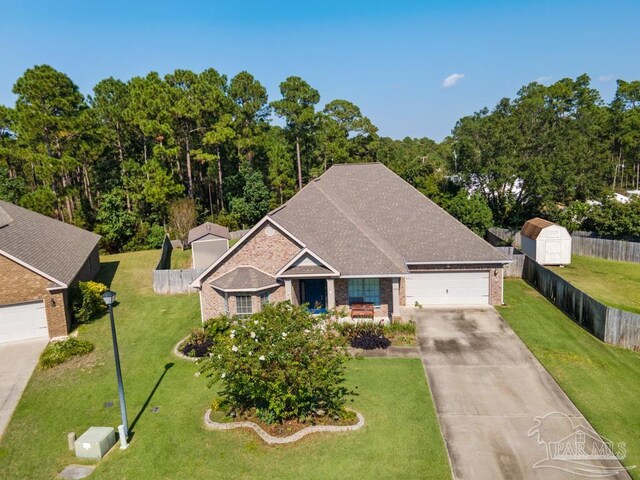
(389, 352)
(181, 355)
(270, 439)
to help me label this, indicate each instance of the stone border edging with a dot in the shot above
(270, 439)
(179, 354)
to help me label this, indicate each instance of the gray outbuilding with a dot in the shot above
(208, 242)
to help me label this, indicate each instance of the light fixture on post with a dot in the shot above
(109, 298)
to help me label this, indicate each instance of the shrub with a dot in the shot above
(364, 335)
(400, 327)
(217, 326)
(201, 339)
(59, 352)
(279, 363)
(198, 344)
(86, 300)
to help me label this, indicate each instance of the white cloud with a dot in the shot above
(605, 78)
(544, 78)
(452, 80)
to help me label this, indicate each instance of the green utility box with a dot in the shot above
(95, 442)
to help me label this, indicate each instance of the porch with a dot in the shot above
(328, 293)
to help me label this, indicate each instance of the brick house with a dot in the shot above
(40, 258)
(359, 233)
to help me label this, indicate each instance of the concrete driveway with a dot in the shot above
(488, 390)
(17, 361)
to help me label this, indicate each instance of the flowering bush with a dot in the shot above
(86, 300)
(279, 363)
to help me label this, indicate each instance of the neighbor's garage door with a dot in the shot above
(22, 321)
(448, 288)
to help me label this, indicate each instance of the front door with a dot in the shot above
(314, 293)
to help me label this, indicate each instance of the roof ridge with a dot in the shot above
(365, 229)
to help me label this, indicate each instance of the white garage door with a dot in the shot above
(23, 321)
(448, 288)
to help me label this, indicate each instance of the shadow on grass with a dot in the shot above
(148, 400)
(107, 272)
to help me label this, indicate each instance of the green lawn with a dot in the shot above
(401, 437)
(602, 380)
(180, 259)
(616, 284)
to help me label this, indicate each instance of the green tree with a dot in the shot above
(297, 108)
(254, 202)
(473, 211)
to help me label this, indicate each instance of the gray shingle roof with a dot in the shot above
(54, 248)
(243, 279)
(364, 219)
(5, 219)
(208, 228)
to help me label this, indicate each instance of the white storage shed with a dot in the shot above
(546, 242)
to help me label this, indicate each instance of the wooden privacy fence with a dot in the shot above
(513, 269)
(582, 243)
(609, 324)
(165, 256)
(175, 281)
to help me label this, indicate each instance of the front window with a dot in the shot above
(365, 290)
(243, 305)
(264, 299)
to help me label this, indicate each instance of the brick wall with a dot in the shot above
(90, 268)
(268, 253)
(19, 284)
(495, 285)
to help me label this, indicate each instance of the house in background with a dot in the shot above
(40, 258)
(546, 242)
(357, 234)
(208, 242)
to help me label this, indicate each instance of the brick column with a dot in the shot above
(331, 294)
(287, 291)
(395, 293)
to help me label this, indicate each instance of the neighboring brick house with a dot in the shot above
(40, 258)
(359, 233)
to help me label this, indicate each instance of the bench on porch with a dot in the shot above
(362, 310)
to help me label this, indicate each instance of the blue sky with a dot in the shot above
(390, 58)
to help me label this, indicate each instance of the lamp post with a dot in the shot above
(109, 297)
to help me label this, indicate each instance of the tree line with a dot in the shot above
(117, 160)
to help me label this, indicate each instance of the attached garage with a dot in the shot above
(448, 288)
(23, 321)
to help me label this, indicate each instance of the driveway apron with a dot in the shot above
(17, 361)
(501, 414)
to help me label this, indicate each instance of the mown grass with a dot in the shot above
(401, 437)
(180, 259)
(602, 380)
(616, 284)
